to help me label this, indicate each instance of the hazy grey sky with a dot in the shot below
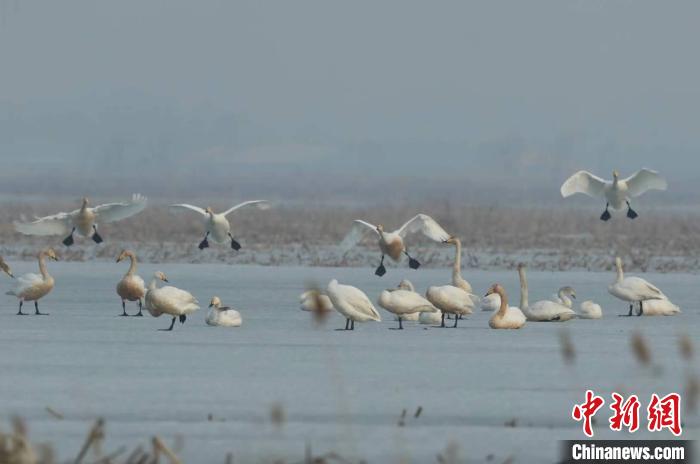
(454, 90)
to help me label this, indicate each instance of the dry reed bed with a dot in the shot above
(493, 237)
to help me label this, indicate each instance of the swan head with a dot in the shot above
(452, 240)
(568, 291)
(380, 228)
(495, 288)
(123, 255)
(51, 254)
(618, 262)
(85, 202)
(208, 210)
(160, 275)
(215, 302)
(406, 284)
(616, 174)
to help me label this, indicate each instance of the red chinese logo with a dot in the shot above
(626, 413)
(665, 413)
(587, 410)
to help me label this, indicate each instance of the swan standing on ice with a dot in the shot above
(590, 310)
(169, 300)
(406, 284)
(83, 221)
(507, 317)
(451, 300)
(352, 303)
(633, 289)
(33, 287)
(217, 225)
(392, 243)
(544, 310)
(314, 300)
(617, 192)
(6, 268)
(223, 315)
(402, 302)
(131, 287)
(662, 307)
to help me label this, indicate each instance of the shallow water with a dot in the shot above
(340, 391)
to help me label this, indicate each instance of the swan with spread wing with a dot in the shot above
(617, 192)
(84, 221)
(217, 225)
(392, 243)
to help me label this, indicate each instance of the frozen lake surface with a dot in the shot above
(340, 391)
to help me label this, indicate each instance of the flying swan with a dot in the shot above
(544, 310)
(507, 317)
(217, 225)
(83, 220)
(352, 303)
(6, 267)
(617, 192)
(392, 243)
(131, 287)
(169, 300)
(222, 316)
(633, 289)
(33, 287)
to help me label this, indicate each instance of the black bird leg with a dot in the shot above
(606, 214)
(172, 324)
(68, 241)
(36, 310)
(630, 212)
(381, 270)
(95, 236)
(140, 314)
(412, 263)
(204, 243)
(123, 309)
(234, 244)
(20, 313)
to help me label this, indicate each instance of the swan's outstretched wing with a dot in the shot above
(357, 232)
(183, 206)
(644, 180)
(111, 212)
(58, 224)
(425, 225)
(260, 204)
(5, 267)
(583, 182)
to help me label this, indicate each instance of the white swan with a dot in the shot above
(457, 279)
(590, 310)
(352, 303)
(84, 221)
(6, 267)
(392, 243)
(662, 307)
(404, 302)
(217, 225)
(222, 315)
(169, 300)
(131, 287)
(33, 287)
(633, 289)
(490, 302)
(544, 310)
(451, 300)
(564, 296)
(507, 317)
(617, 192)
(314, 300)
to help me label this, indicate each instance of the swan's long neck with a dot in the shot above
(504, 304)
(132, 266)
(457, 266)
(152, 285)
(523, 289)
(42, 266)
(620, 272)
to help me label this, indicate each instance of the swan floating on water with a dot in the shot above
(314, 300)
(131, 287)
(617, 192)
(169, 300)
(84, 221)
(392, 243)
(633, 289)
(404, 302)
(352, 303)
(222, 315)
(217, 225)
(33, 287)
(507, 317)
(544, 310)
(6, 267)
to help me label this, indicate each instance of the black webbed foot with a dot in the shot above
(96, 238)
(413, 263)
(234, 244)
(605, 216)
(631, 213)
(68, 241)
(381, 270)
(204, 244)
(183, 318)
